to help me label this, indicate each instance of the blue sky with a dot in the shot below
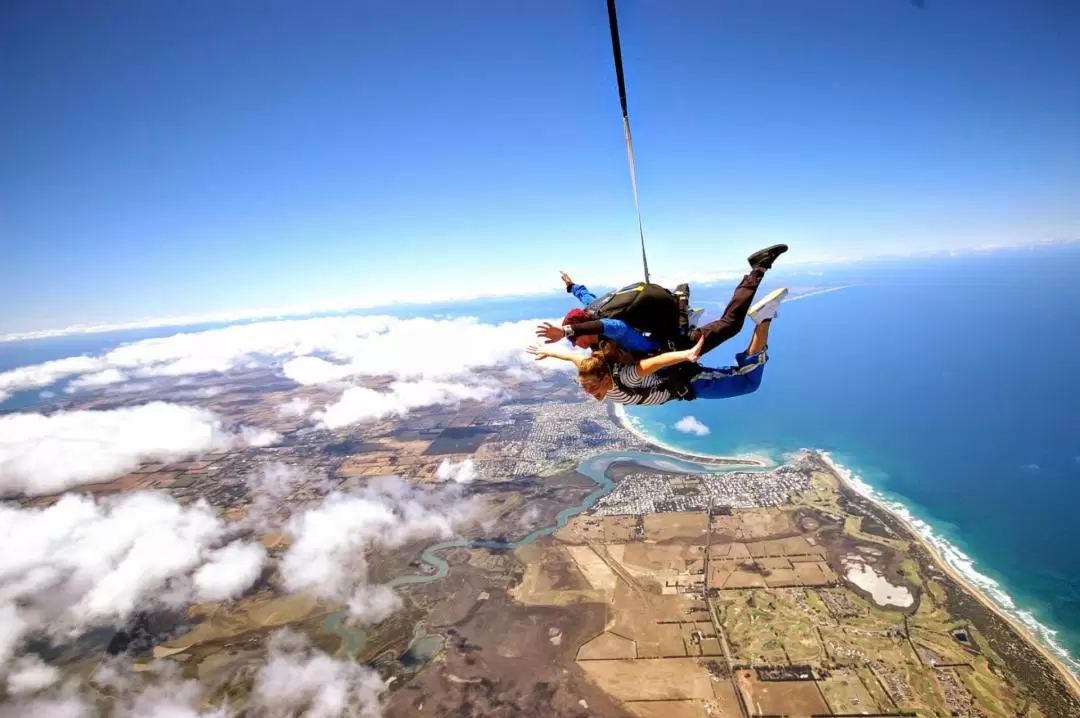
(182, 158)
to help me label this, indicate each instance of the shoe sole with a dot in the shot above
(769, 252)
(771, 296)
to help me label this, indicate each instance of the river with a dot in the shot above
(354, 638)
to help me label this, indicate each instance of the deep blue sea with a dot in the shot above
(949, 384)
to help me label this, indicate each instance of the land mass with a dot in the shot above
(595, 581)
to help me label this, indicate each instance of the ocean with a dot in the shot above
(949, 386)
(946, 385)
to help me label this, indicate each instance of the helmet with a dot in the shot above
(575, 316)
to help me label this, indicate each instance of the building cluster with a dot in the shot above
(840, 606)
(959, 698)
(654, 493)
(542, 435)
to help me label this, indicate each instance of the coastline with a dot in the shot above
(618, 415)
(1065, 672)
(1070, 678)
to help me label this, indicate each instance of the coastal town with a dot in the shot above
(647, 493)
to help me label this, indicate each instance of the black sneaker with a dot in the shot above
(682, 297)
(764, 258)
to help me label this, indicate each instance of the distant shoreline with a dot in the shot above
(618, 415)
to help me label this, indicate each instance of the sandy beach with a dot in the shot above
(619, 417)
(1022, 630)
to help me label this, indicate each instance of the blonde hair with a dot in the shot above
(595, 371)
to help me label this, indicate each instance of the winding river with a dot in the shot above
(596, 467)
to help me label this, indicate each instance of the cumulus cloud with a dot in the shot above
(310, 351)
(230, 571)
(690, 425)
(101, 378)
(43, 454)
(300, 680)
(362, 404)
(295, 407)
(41, 375)
(295, 679)
(461, 473)
(30, 674)
(79, 563)
(328, 554)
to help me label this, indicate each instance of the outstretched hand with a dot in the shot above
(550, 332)
(566, 278)
(538, 352)
(694, 353)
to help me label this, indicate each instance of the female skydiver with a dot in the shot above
(614, 373)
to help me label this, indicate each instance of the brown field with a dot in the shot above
(690, 526)
(644, 680)
(794, 546)
(607, 646)
(668, 557)
(793, 698)
(761, 523)
(669, 709)
(600, 529)
(845, 693)
(554, 577)
(815, 573)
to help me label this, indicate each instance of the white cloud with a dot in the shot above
(310, 351)
(461, 473)
(230, 571)
(80, 563)
(296, 679)
(30, 674)
(295, 407)
(690, 425)
(62, 707)
(363, 404)
(299, 680)
(42, 454)
(101, 378)
(328, 554)
(40, 375)
(253, 436)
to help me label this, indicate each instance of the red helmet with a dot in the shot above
(576, 316)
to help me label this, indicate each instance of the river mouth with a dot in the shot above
(354, 638)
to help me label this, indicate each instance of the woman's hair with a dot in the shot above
(597, 369)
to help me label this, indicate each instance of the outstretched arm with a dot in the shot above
(556, 354)
(654, 364)
(624, 335)
(578, 290)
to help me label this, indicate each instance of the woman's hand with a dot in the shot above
(539, 353)
(550, 332)
(566, 278)
(694, 353)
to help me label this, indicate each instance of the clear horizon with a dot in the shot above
(167, 161)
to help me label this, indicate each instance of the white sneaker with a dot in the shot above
(766, 308)
(695, 317)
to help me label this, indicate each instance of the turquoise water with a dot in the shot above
(950, 386)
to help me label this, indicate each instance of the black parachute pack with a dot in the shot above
(649, 308)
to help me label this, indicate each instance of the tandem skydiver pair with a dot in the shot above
(645, 347)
